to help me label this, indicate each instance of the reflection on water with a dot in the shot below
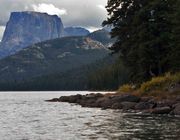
(25, 116)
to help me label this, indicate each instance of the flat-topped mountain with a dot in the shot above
(26, 28)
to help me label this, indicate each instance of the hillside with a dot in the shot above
(58, 55)
(102, 36)
(78, 78)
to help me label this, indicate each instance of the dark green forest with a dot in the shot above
(148, 34)
(105, 74)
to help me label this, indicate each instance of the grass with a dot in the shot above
(126, 88)
(164, 86)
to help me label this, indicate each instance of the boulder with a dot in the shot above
(128, 105)
(166, 102)
(176, 110)
(146, 99)
(71, 99)
(144, 105)
(126, 98)
(117, 106)
(88, 103)
(161, 110)
(64, 99)
(105, 102)
(75, 98)
(93, 95)
(178, 98)
(53, 100)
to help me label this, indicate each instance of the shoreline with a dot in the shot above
(125, 102)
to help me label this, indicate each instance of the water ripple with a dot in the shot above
(25, 116)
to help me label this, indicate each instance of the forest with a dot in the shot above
(147, 45)
(147, 35)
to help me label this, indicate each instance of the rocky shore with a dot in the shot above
(126, 102)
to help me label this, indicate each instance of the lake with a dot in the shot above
(26, 116)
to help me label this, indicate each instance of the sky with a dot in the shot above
(85, 13)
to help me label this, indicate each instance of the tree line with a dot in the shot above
(147, 33)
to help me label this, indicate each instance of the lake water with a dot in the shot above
(25, 116)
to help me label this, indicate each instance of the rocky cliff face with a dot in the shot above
(26, 28)
(75, 31)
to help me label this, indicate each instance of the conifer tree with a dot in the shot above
(144, 32)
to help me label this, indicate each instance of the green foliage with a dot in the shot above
(108, 77)
(147, 35)
(101, 75)
(52, 56)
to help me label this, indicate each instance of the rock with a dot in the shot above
(146, 99)
(71, 99)
(124, 102)
(88, 103)
(178, 98)
(163, 103)
(104, 102)
(89, 100)
(126, 98)
(26, 28)
(144, 106)
(128, 105)
(117, 106)
(64, 99)
(53, 100)
(75, 31)
(75, 98)
(93, 95)
(176, 110)
(152, 101)
(161, 110)
(174, 88)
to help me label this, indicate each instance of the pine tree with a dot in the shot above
(144, 31)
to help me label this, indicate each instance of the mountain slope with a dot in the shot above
(102, 36)
(75, 31)
(58, 55)
(86, 77)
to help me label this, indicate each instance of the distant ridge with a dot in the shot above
(75, 31)
(57, 55)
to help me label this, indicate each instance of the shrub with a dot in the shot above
(126, 88)
(162, 83)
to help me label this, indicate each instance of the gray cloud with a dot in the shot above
(79, 12)
(85, 13)
(49, 8)
(2, 28)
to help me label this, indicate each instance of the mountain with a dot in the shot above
(79, 78)
(75, 31)
(102, 36)
(53, 56)
(26, 28)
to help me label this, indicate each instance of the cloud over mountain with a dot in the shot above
(80, 12)
(84, 13)
(49, 8)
